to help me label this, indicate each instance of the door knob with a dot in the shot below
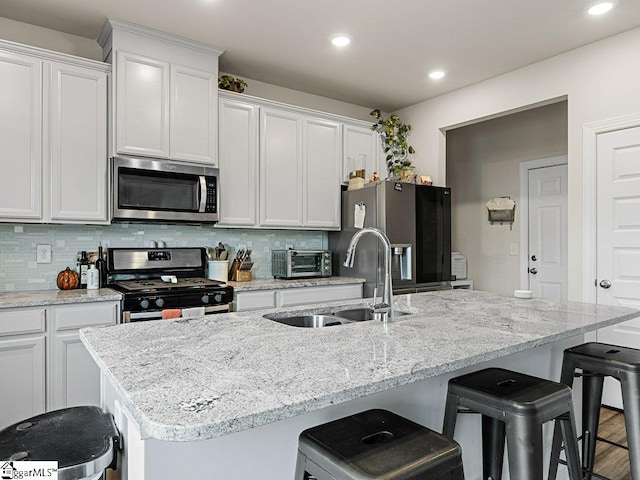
(533, 270)
(605, 283)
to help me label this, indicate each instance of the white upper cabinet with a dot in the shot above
(166, 93)
(20, 136)
(361, 144)
(53, 130)
(194, 95)
(280, 168)
(321, 173)
(78, 144)
(238, 157)
(142, 105)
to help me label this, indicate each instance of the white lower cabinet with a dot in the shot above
(285, 297)
(22, 364)
(43, 364)
(74, 378)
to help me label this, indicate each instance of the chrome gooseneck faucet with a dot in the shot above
(386, 307)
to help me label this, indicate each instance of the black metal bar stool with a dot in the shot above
(518, 404)
(83, 440)
(376, 444)
(599, 360)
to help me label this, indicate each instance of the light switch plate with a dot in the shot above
(514, 249)
(43, 253)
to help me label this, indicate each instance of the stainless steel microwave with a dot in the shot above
(300, 263)
(163, 191)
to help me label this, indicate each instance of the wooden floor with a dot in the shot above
(611, 461)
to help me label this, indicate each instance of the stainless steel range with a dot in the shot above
(157, 279)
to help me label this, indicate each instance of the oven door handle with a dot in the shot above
(217, 309)
(129, 317)
(203, 194)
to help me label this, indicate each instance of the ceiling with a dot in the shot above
(395, 44)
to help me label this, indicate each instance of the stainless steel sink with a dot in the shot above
(310, 321)
(326, 317)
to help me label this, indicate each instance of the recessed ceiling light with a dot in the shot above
(437, 74)
(340, 40)
(601, 7)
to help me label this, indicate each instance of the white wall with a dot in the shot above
(483, 161)
(49, 39)
(87, 48)
(600, 82)
(302, 99)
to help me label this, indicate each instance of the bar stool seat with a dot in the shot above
(83, 440)
(599, 360)
(376, 444)
(517, 404)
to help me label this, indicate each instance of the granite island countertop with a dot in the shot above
(35, 298)
(195, 379)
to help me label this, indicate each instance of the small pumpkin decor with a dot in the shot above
(227, 82)
(67, 279)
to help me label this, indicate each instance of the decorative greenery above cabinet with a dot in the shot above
(282, 166)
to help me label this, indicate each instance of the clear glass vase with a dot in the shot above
(405, 175)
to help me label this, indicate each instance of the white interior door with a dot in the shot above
(547, 260)
(618, 237)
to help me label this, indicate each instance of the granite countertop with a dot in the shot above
(34, 298)
(194, 379)
(278, 283)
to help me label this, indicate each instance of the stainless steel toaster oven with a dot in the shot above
(300, 263)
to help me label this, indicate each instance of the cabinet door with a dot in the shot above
(361, 144)
(255, 300)
(321, 173)
(74, 377)
(142, 105)
(22, 378)
(78, 150)
(194, 97)
(77, 380)
(20, 137)
(328, 293)
(238, 156)
(280, 168)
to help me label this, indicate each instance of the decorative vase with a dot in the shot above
(405, 175)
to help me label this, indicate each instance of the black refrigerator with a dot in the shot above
(417, 220)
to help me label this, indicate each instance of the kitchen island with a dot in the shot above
(226, 396)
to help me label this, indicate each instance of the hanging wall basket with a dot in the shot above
(501, 209)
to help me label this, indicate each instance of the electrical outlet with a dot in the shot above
(514, 249)
(43, 253)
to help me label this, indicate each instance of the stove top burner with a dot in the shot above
(159, 285)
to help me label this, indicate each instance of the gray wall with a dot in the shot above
(483, 161)
(19, 270)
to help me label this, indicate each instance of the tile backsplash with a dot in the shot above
(19, 270)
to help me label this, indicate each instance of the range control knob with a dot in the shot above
(218, 298)
(205, 298)
(159, 302)
(144, 303)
